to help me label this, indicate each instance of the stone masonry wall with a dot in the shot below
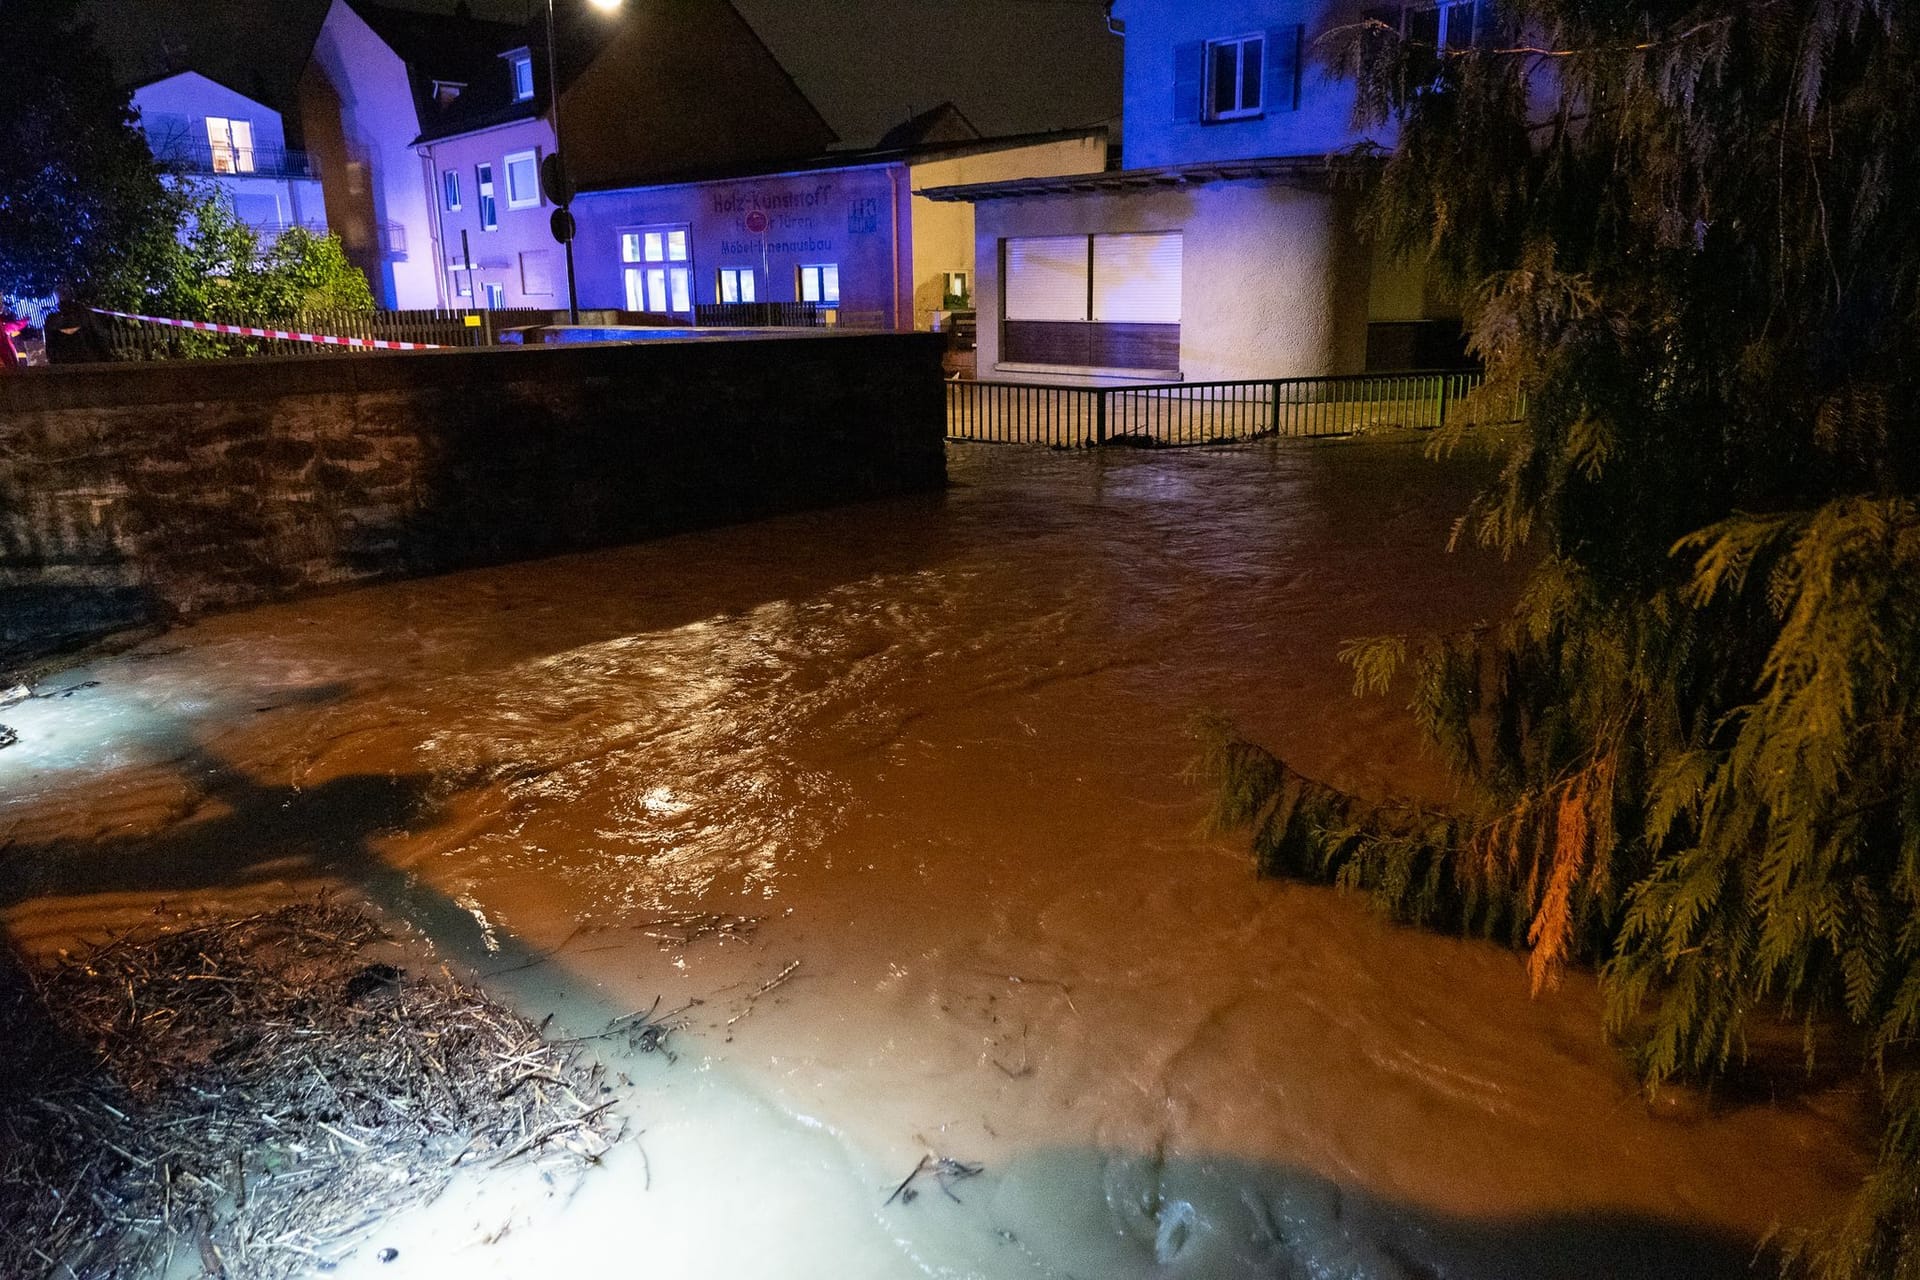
(132, 494)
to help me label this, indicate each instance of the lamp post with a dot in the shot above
(563, 220)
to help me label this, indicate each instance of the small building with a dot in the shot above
(1221, 250)
(841, 232)
(202, 130)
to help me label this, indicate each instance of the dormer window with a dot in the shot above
(520, 66)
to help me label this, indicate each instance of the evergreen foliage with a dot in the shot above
(1690, 237)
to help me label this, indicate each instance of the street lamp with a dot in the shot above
(562, 194)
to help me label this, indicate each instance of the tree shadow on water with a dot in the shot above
(245, 832)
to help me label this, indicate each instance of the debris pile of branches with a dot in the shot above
(261, 1093)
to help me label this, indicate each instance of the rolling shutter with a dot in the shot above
(1283, 68)
(1047, 278)
(1136, 278)
(1189, 76)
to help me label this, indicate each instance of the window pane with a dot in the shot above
(523, 180)
(220, 144)
(242, 145)
(656, 247)
(630, 246)
(636, 290)
(729, 287)
(1250, 75)
(676, 246)
(681, 280)
(1459, 20)
(746, 286)
(1423, 27)
(830, 284)
(1224, 83)
(656, 289)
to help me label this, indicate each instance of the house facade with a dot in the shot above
(1222, 249)
(436, 124)
(707, 179)
(842, 232)
(205, 132)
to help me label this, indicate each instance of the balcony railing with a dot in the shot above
(197, 156)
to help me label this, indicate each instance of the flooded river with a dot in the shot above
(889, 799)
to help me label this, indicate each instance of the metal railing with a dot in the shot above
(1198, 413)
(762, 315)
(198, 156)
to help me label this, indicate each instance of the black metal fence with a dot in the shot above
(1196, 413)
(761, 315)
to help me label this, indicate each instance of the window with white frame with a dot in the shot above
(520, 65)
(820, 282)
(523, 180)
(1234, 72)
(231, 144)
(450, 189)
(736, 285)
(657, 269)
(483, 188)
(496, 295)
(1451, 25)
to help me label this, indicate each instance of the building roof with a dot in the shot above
(944, 123)
(454, 49)
(855, 158)
(1310, 172)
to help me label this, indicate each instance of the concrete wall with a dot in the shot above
(943, 237)
(357, 112)
(1274, 282)
(514, 255)
(1151, 134)
(134, 493)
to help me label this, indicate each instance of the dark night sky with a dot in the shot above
(1011, 65)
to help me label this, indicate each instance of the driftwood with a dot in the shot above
(256, 1093)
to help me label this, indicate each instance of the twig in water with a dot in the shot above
(764, 987)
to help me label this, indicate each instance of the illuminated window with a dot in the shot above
(736, 284)
(1233, 77)
(658, 278)
(523, 180)
(521, 64)
(450, 189)
(820, 283)
(231, 142)
(483, 186)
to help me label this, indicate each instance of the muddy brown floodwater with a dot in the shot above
(894, 793)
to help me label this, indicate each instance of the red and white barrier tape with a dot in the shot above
(284, 335)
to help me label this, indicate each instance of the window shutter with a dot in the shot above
(1189, 64)
(1283, 68)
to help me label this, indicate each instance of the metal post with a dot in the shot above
(553, 108)
(1100, 416)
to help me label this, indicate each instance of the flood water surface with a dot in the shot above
(890, 801)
